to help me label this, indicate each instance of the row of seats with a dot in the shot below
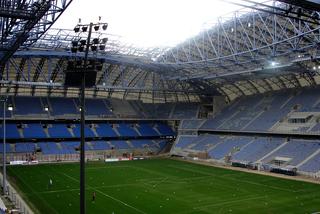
(37, 130)
(111, 108)
(303, 154)
(259, 113)
(49, 148)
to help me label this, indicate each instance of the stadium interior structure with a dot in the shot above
(244, 92)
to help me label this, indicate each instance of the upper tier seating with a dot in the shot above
(183, 110)
(28, 105)
(258, 113)
(62, 106)
(191, 124)
(97, 107)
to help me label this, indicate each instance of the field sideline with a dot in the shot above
(161, 186)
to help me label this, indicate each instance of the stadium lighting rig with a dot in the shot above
(82, 74)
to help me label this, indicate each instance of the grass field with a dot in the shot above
(162, 186)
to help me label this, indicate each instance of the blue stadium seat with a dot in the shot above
(33, 130)
(105, 130)
(87, 131)
(59, 131)
(11, 131)
(125, 130)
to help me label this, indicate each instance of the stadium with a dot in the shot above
(225, 121)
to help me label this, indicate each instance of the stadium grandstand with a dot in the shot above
(225, 121)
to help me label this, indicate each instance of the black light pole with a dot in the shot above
(84, 71)
(83, 122)
(4, 156)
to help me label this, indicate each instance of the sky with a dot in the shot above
(147, 23)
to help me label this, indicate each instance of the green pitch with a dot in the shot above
(161, 186)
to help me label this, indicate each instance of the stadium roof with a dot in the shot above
(259, 48)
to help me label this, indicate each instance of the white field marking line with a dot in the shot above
(106, 167)
(109, 196)
(34, 192)
(92, 187)
(228, 202)
(163, 180)
(238, 180)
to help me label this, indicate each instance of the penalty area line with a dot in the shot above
(109, 196)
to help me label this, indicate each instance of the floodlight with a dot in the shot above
(84, 28)
(273, 63)
(104, 27)
(83, 42)
(10, 108)
(104, 40)
(318, 66)
(74, 50)
(46, 108)
(94, 48)
(76, 29)
(314, 68)
(74, 43)
(81, 48)
(95, 41)
(96, 28)
(249, 24)
(102, 47)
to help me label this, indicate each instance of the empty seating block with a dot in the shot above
(312, 165)
(229, 146)
(96, 107)
(120, 144)
(8, 148)
(140, 144)
(50, 148)
(62, 106)
(33, 130)
(25, 147)
(146, 129)
(59, 131)
(185, 140)
(126, 130)
(296, 150)
(165, 130)
(100, 145)
(69, 147)
(11, 131)
(105, 130)
(257, 149)
(185, 110)
(87, 131)
(28, 105)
